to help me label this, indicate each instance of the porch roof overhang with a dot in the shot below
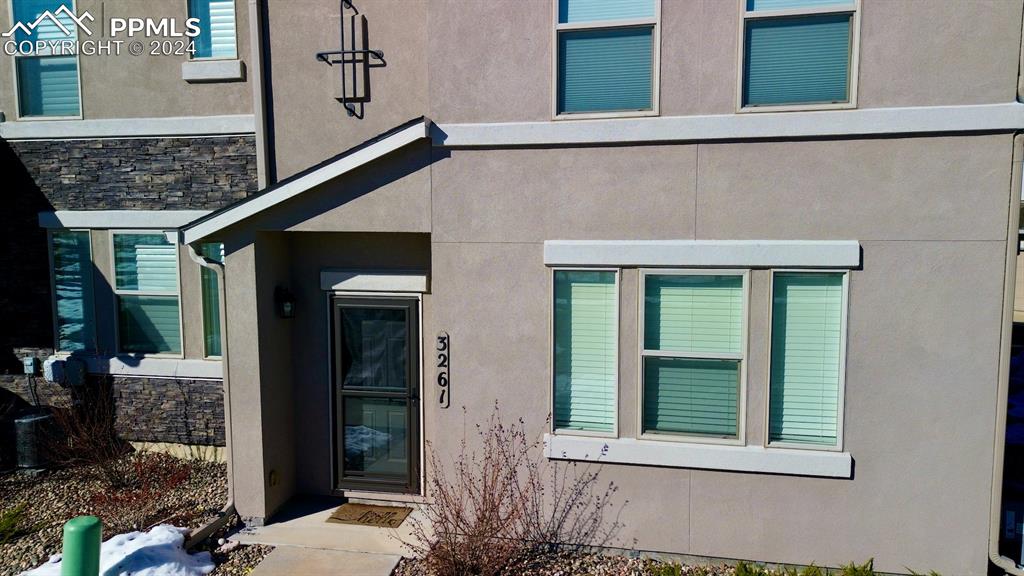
(333, 167)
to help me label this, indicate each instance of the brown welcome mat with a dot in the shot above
(367, 515)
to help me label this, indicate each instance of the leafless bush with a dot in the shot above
(86, 435)
(503, 506)
(145, 501)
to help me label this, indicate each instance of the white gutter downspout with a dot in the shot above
(228, 510)
(1002, 391)
(259, 95)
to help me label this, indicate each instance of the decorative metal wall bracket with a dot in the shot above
(353, 60)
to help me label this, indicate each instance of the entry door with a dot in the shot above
(376, 382)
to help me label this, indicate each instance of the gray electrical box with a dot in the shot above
(30, 364)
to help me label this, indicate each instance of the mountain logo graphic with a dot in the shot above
(53, 17)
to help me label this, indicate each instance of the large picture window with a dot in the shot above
(47, 81)
(585, 350)
(606, 56)
(73, 291)
(693, 344)
(146, 288)
(807, 358)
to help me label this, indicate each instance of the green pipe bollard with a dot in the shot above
(81, 547)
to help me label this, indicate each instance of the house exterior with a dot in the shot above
(755, 258)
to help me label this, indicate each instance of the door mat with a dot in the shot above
(367, 515)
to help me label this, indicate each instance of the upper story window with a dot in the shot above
(48, 83)
(71, 255)
(217, 38)
(606, 57)
(799, 53)
(146, 290)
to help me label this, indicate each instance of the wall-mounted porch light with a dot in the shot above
(284, 302)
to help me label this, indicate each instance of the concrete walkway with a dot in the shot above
(305, 543)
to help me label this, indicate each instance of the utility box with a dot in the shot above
(34, 431)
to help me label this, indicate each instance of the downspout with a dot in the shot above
(228, 510)
(259, 93)
(1009, 288)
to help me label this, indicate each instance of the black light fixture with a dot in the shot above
(284, 302)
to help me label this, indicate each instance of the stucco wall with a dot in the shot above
(127, 86)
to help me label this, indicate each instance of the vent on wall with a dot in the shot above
(353, 60)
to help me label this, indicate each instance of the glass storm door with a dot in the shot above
(376, 380)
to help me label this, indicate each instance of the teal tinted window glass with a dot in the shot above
(696, 314)
(753, 5)
(605, 70)
(570, 11)
(73, 291)
(807, 318)
(585, 355)
(691, 396)
(798, 60)
(149, 324)
(211, 299)
(48, 86)
(28, 12)
(217, 28)
(145, 262)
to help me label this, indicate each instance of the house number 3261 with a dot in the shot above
(443, 383)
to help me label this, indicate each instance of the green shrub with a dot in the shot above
(865, 569)
(671, 569)
(13, 524)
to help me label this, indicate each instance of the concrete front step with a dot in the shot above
(293, 560)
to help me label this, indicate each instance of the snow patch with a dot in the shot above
(159, 552)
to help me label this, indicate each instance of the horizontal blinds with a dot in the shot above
(48, 86)
(571, 11)
(149, 324)
(605, 70)
(695, 314)
(807, 312)
(217, 28)
(145, 262)
(753, 5)
(73, 293)
(28, 12)
(585, 357)
(804, 59)
(690, 396)
(211, 299)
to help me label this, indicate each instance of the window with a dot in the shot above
(48, 80)
(799, 52)
(72, 291)
(217, 28)
(606, 56)
(211, 299)
(694, 334)
(585, 350)
(807, 356)
(146, 288)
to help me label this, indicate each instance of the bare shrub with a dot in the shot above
(145, 501)
(501, 507)
(86, 435)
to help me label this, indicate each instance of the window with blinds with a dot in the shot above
(146, 285)
(693, 344)
(806, 357)
(73, 291)
(47, 82)
(217, 28)
(797, 52)
(211, 299)
(585, 350)
(606, 54)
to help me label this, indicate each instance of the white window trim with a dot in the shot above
(373, 281)
(853, 72)
(53, 291)
(17, 86)
(741, 405)
(842, 365)
(117, 293)
(600, 24)
(551, 353)
(192, 58)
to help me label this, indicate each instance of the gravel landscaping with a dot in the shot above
(571, 564)
(47, 500)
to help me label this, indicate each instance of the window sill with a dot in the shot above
(704, 456)
(150, 366)
(797, 107)
(194, 71)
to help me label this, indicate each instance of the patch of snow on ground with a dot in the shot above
(159, 552)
